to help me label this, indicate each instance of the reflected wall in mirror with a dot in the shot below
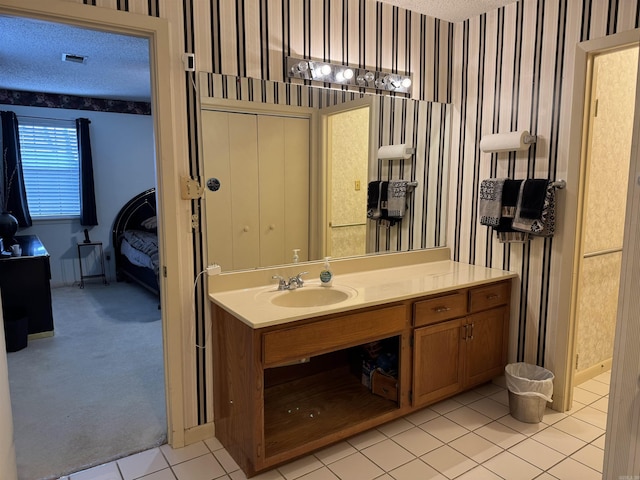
(280, 150)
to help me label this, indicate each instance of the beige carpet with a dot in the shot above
(94, 392)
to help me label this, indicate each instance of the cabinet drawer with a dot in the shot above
(437, 309)
(490, 296)
(330, 335)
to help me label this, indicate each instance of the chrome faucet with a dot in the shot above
(292, 284)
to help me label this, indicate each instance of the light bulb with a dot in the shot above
(302, 66)
(325, 69)
(368, 77)
(348, 73)
(406, 82)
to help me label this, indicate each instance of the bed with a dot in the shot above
(135, 241)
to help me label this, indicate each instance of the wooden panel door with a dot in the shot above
(486, 345)
(438, 366)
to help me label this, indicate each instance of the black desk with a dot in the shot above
(25, 283)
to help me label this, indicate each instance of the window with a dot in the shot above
(49, 151)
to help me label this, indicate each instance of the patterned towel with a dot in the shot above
(545, 224)
(490, 207)
(396, 198)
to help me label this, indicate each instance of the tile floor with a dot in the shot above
(471, 436)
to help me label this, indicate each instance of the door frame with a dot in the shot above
(168, 135)
(565, 341)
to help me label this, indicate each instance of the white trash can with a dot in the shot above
(530, 388)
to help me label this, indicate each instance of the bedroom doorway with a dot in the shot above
(156, 32)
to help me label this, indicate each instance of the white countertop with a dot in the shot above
(373, 287)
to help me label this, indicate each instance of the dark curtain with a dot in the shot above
(88, 216)
(14, 195)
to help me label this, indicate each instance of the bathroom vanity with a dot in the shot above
(292, 379)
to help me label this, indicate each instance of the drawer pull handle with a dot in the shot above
(464, 332)
(471, 334)
(493, 297)
(441, 309)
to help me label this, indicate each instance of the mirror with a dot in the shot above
(270, 160)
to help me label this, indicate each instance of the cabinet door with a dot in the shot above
(438, 361)
(486, 345)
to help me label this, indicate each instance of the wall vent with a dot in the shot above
(70, 57)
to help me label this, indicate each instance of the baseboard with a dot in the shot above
(591, 372)
(199, 433)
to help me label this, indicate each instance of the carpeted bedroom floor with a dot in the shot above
(94, 391)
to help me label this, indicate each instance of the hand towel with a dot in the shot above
(490, 206)
(544, 225)
(396, 198)
(532, 199)
(510, 193)
(373, 199)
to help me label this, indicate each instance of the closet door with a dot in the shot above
(283, 151)
(230, 151)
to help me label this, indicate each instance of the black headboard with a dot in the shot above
(133, 214)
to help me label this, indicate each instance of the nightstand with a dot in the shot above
(96, 247)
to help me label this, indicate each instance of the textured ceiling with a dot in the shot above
(117, 66)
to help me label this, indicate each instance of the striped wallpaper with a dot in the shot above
(501, 71)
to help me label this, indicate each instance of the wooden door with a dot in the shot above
(485, 345)
(438, 361)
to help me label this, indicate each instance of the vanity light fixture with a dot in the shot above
(346, 75)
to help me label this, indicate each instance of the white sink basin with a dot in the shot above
(312, 296)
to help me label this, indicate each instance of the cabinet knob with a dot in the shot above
(272, 227)
(246, 228)
(441, 309)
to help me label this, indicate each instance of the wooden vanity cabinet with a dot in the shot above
(283, 391)
(464, 342)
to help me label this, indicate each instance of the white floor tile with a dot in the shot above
(551, 416)
(417, 441)
(321, 474)
(596, 387)
(546, 476)
(205, 467)
(335, 452)
(180, 455)
(468, 397)
(501, 397)
(227, 462)
(213, 444)
(559, 440)
(416, 469)
(599, 442)
(142, 464)
(356, 467)
(537, 454)
(509, 466)
(476, 447)
(584, 396)
(604, 377)
(422, 416)
(108, 471)
(490, 408)
(570, 469)
(270, 475)
(298, 468)
(602, 404)
(592, 416)
(444, 429)
(388, 455)
(590, 456)
(479, 473)
(367, 439)
(500, 434)
(470, 418)
(397, 426)
(445, 406)
(579, 429)
(165, 474)
(448, 461)
(522, 427)
(488, 389)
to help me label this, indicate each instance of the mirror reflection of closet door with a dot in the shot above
(260, 213)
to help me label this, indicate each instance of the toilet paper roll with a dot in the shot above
(387, 152)
(505, 142)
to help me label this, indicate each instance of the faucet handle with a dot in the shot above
(282, 282)
(298, 278)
